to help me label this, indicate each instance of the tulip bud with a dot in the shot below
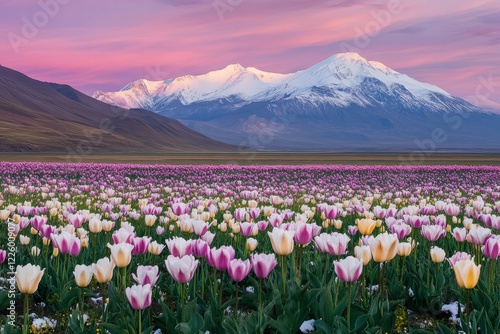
(83, 275)
(28, 277)
(366, 226)
(384, 247)
(467, 273)
(251, 244)
(404, 249)
(437, 254)
(363, 253)
(35, 251)
(103, 270)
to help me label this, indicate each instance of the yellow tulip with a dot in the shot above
(404, 249)
(467, 273)
(366, 226)
(121, 253)
(282, 241)
(28, 277)
(251, 244)
(83, 275)
(384, 247)
(437, 254)
(103, 270)
(363, 253)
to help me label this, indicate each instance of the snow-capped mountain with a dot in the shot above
(339, 98)
(341, 75)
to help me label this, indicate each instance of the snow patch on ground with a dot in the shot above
(44, 323)
(453, 309)
(307, 326)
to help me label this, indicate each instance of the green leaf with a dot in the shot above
(194, 325)
(114, 328)
(444, 330)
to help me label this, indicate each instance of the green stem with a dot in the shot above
(103, 289)
(283, 275)
(325, 266)
(220, 290)
(349, 307)
(260, 306)
(467, 309)
(183, 314)
(428, 270)
(202, 279)
(236, 299)
(336, 292)
(140, 322)
(81, 302)
(26, 310)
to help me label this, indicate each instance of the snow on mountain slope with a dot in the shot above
(342, 74)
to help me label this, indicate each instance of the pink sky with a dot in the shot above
(102, 45)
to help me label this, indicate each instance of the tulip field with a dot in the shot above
(104, 248)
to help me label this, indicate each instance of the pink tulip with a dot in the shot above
(200, 227)
(3, 256)
(123, 235)
(181, 269)
(452, 209)
(263, 264)
(67, 243)
(433, 232)
(379, 212)
(458, 256)
(348, 269)
(180, 208)
(331, 212)
(479, 235)
(247, 229)
(239, 269)
(440, 220)
(47, 230)
(200, 248)
(276, 220)
(401, 230)
(139, 296)
(208, 237)
(491, 248)
(239, 214)
(254, 213)
(76, 220)
(179, 246)
(160, 230)
(262, 225)
(334, 243)
(141, 245)
(352, 229)
(303, 233)
(220, 258)
(38, 221)
(146, 275)
(460, 234)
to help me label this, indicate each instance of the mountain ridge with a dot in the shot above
(37, 116)
(340, 104)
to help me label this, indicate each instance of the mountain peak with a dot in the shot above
(339, 74)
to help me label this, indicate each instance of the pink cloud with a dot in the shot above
(103, 45)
